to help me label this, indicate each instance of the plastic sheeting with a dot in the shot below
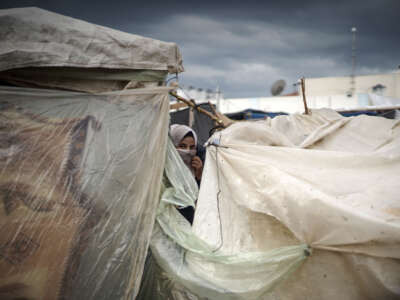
(174, 270)
(33, 37)
(80, 177)
(273, 188)
(83, 80)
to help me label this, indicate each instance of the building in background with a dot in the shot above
(387, 85)
(327, 92)
(201, 95)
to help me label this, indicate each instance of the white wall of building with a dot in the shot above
(328, 92)
(290, 104)
(363, 84)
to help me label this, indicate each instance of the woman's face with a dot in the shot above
(187, 144)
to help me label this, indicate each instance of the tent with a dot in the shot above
(81, 157)
(45, 49)
(294, 207)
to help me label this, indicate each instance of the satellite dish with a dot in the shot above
(278, 87)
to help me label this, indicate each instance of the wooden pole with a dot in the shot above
(199, 109)
(303, 89)
(178, 105)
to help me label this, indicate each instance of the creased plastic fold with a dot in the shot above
(34, 37)
(193, 267)
(323, 180)
(297, 207)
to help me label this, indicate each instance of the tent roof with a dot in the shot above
(33, 37)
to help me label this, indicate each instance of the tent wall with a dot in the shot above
(294, 207)
(80, 177)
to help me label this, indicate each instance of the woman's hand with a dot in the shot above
(197, 165)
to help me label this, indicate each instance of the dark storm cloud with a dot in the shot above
(245, 46)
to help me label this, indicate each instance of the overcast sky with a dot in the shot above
(244, 46)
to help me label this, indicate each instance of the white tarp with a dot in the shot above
(167, 273)
(295, 207)
(324, 180)
(33, 37)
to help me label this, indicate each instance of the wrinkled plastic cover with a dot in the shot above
(82, 80)
(80, 177)
(297, 207)
(33, 37)
(323, 180)
(177, 268)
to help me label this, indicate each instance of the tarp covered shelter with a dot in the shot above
(80, 173)
(294, 207)
(39, 48)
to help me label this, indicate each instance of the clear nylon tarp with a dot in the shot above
(80, 177)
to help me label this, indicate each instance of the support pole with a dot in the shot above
(199, 109)
(303, 90)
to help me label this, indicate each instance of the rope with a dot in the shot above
(218, 196)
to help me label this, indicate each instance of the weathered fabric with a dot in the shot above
(295, 207)
(33, 37)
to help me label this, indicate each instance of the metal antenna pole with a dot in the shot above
(353, 67)
(218, 98)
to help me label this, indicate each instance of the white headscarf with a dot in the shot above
(178, 132)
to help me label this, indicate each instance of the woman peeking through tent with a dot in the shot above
(185, 141)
